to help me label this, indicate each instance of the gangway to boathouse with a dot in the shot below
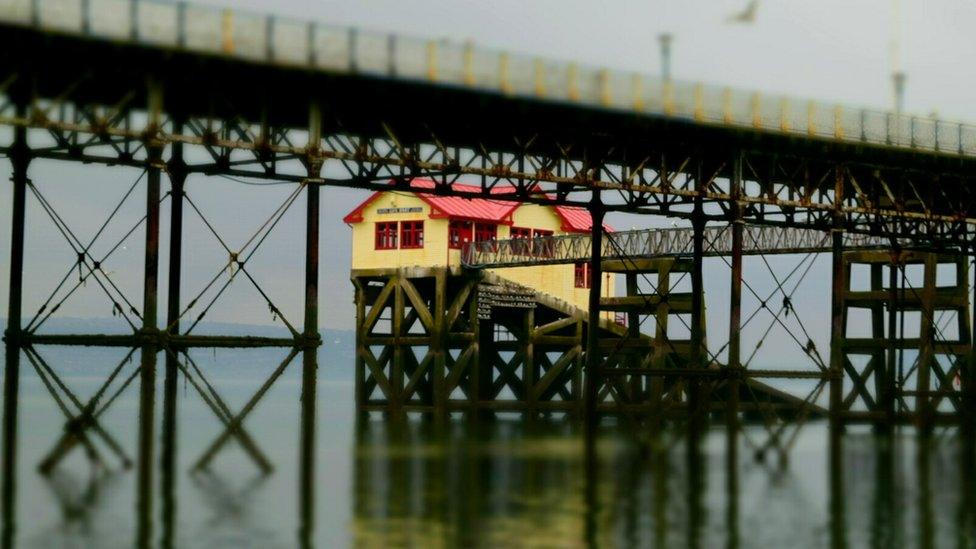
(650, 243)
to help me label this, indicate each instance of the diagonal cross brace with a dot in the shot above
(239, 259)
(85, 259)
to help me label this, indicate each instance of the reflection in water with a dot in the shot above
(461, 482)
(11, 381)
(79, 500)
(227, 503)
(516, 483)
(521, 483)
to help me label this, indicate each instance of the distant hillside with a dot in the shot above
(336, 356)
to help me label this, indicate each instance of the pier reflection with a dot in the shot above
(414, 481)
(86, 487)
(516, 483)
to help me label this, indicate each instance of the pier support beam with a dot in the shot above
(176, 169)
(20, 159)
(926, 352)
(696, 404)
(735, 322)
(593, 358)
(153, 170)
(314, 166)
(312, 264)
(839, 283)
(530, 370)
(594, 362)
(438, 341)
(306, 465)
(888, 394)
(147, 371)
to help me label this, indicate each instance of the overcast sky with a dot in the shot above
(837, 50)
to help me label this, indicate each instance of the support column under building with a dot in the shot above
(888, 396)
(927, 334)
(592, 376)
(438, 338)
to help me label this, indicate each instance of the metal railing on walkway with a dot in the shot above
(645, 243)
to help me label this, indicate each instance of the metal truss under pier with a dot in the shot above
(906, 339)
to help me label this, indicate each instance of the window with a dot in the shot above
(521, 248)
(386, 235)
(485, 235)
(411, 234)
(458, 232)
(483, 232)
(581, 272)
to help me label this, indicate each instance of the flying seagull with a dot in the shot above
(747, 15)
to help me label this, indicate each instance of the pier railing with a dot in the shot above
(574, 248)
(270, 39)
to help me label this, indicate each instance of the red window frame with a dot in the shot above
(458, 232)
(521, 248)
(581, 274)
(386, 235)
(411, 235)
(484, 232)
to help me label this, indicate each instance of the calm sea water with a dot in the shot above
(418, 483)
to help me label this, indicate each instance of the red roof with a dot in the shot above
(574, 219)
(454, 207)
(577, 220)
(472, 209)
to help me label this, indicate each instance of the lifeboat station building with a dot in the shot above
(395, 229)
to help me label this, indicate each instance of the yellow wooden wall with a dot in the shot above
(555, 280)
